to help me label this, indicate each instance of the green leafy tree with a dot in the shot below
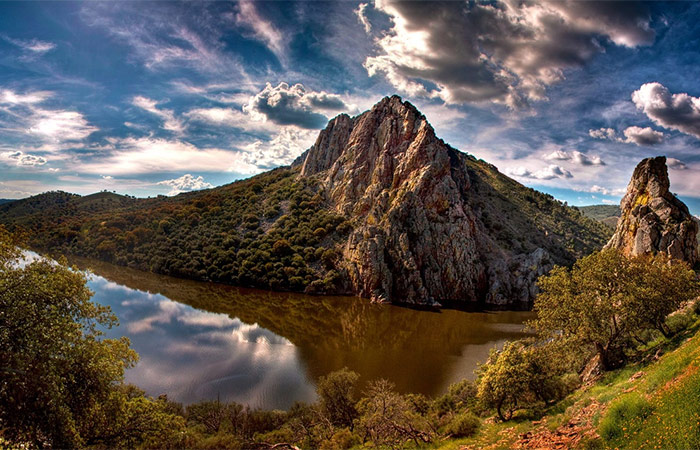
(606, 299)
(57, 375)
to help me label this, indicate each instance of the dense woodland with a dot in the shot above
(275, 230)
(271, 231)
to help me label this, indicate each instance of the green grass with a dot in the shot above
(664, 409)
(657, 408)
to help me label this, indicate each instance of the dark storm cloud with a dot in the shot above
(293, 105)
(503, 51)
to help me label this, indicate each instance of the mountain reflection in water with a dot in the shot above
(203, 341)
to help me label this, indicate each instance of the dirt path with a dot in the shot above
(566, 436)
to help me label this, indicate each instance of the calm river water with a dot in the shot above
(203, 341)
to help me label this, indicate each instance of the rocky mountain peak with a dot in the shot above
(653, 219)
(418, 235)
(388, 123)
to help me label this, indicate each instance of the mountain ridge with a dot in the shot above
(378, 207)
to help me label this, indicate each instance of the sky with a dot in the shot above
(149, 98)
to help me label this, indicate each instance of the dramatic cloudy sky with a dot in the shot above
(159, 98)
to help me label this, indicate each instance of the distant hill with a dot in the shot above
(6, 200)
(607, 214)
(379, 207)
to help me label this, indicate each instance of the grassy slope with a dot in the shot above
(650, 404)
(523, 219)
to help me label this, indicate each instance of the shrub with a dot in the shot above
(675, 323)
(336, 392)
(463, 425)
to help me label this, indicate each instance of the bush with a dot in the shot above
(519, 376)
(463, 425)
(336, 392)
(678, 322)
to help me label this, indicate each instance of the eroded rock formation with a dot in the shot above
(653, 219)
(419, 223)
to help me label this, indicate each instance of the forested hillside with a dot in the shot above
(272, 231)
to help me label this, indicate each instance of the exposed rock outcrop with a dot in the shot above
(653, 219)
(419, 223)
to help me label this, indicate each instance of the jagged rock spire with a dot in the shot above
(653, 219)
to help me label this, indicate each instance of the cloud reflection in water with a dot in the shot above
(193, 355)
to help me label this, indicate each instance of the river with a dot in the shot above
(203, 341)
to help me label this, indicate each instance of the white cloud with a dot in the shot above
(60, 125)
(293, 105)
(604, 133)
(633, 135)
(281, 150)
(262, 30)
(501, 51)
(185, 183)
(547, 173)
(8, 97)
(362, 17)
(575, 157)
(643, 136)
(53, 125)
(32, 45)
(23, 159)
(170, 122)
(676, 164)
(160, 41)
(674, 111)
(153, 155)
(229, 117)
(606, 191)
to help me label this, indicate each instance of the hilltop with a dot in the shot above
(378, 207)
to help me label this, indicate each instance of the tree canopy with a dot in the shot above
(606, 300)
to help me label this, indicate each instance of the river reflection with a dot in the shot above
(201, 341)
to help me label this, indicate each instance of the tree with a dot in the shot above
(606, 299)
(504, 380)
(336, 392)
(388, 419)
(56, 372)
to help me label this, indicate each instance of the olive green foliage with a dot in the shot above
(606, 301)
(519, 376)
(336, 392)
(389, 419)
(522, 219)
(463, 425)
(274, 230)
(57, 374)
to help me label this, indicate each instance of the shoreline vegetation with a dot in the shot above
(614, 355)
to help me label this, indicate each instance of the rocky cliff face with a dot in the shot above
(419, 223)
(653, 220)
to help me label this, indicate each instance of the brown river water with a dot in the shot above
(203, 341)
